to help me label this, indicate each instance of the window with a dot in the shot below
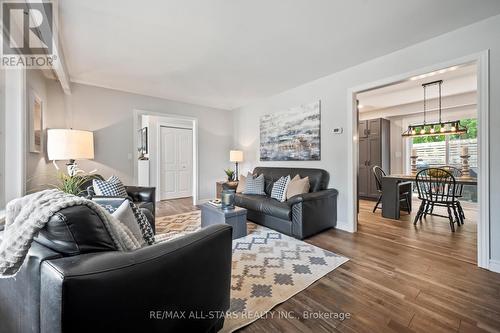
(446, 150)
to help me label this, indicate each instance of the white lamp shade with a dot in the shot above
(236, 156)
(69, 144)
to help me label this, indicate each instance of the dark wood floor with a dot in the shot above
(400, 278)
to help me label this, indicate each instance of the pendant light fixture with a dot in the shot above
(434, 128)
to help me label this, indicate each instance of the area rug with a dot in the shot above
(268, 267)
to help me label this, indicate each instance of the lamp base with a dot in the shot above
(72, 168)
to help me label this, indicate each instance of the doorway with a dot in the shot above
(176, 162)
(480, 61)
(154, 121)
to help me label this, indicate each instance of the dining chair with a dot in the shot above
(456, 172)
(437, 187)
(404, 194)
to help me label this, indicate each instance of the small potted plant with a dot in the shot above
(230, 175)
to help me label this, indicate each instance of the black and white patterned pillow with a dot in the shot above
(142, 220)
(255, 185)
(279, 188)
(112, 187)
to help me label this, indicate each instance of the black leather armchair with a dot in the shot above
(78, 283)
(143, 197)
(302, 215)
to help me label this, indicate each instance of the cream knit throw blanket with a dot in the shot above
(26, 216)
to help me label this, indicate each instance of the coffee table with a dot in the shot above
(237, 218)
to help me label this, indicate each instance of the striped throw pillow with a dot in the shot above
(279, 188)
(254, 185)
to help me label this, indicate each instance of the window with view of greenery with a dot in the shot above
(442, 150)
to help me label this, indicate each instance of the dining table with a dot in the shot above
(391, 190)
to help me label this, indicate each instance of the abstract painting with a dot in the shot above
(292, 135)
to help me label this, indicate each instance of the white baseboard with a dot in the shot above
(202, 201)
(342, 225)
(494, 266)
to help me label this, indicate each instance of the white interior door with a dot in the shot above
(176, 163)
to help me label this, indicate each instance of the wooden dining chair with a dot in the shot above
(404, 194)
(437, 187)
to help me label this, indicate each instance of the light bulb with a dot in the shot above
(413, 132)
(422, 131)
(442, 130)
(432, 130)
(453, 129)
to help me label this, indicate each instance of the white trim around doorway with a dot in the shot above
(483, 225)
(169, 120)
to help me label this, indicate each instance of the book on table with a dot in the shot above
(216, 203)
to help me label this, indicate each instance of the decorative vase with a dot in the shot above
(227, 199)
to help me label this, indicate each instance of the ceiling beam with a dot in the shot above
(59, 68)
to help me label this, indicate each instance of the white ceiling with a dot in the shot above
(456, 80)
(228, 53)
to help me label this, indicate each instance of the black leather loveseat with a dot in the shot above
(74, 280)
(302, 215)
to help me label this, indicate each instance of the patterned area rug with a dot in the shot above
(268, 267)
(170, 227)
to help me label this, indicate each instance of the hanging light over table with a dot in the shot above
(434, 128)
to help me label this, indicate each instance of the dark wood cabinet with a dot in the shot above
(374, 149)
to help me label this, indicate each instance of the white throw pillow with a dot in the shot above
(126, 216)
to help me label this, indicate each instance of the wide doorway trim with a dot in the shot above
(483, 225)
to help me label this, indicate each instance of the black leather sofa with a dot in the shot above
(302, 215)
(74, 280)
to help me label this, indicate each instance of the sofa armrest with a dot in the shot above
(313, 212)
(142, 194)
(329, 193)
(123, 291)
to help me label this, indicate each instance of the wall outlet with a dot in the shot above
(338, 130)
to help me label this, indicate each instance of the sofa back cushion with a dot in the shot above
(76, 230)
(318, 178)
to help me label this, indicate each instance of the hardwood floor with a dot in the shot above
(175, 206)
(400, 278)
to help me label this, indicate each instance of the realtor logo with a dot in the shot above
(27, 34)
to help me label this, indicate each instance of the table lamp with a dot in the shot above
(71, 145)
(236, 156)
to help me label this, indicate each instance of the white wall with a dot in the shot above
(40, 173)
(333, 90)
(2, 139)
(109, 113)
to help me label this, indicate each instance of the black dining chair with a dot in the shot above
(437, 187)
(456, 172)
(404, 193)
